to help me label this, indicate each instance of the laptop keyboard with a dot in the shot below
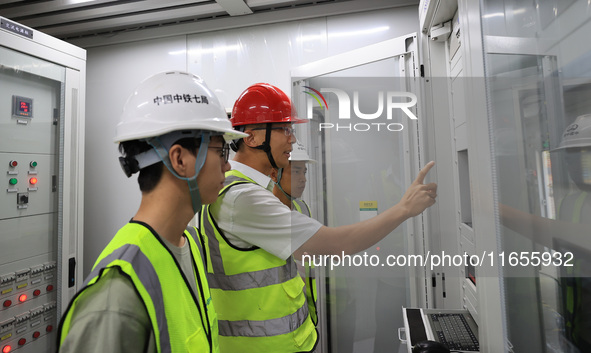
(453, 331)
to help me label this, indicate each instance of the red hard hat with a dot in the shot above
(263, 103)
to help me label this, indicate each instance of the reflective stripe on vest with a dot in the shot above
(271, 327)
(246, 280)
(147, 275)
(301, 207)
(240, 278)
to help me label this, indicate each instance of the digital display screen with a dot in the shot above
(22, 107)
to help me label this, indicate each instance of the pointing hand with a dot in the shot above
(419, 196)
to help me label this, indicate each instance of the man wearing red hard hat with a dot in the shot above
(251, 237)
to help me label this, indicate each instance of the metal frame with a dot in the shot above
(480, 168)
(404, 47)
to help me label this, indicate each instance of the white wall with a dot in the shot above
(229, 61)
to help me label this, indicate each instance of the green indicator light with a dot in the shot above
(33, 164)
(13, 181)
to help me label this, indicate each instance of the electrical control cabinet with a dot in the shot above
(41, 150)
(506, 90)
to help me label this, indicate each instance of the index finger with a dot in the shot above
(423, 172)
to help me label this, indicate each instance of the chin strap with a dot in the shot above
(162, 152)
(266, 146)
(278, 183)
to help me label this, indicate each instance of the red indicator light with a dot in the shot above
(33, 181)
(6, 349)
(22, 342)
(36, 292)
(36, 334)
(49, 328)
(7, 303)
(13, 163)
(22, 298)
(49, 288)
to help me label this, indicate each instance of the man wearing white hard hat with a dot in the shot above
(571, 226)
(290, 182)
(576, 209)
(148, 290)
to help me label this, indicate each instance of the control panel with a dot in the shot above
(42, 95)
(28, 306)
(30, 111)
(30, 184)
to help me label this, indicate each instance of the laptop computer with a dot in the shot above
(456, 329)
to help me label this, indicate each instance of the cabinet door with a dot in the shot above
(365, 147)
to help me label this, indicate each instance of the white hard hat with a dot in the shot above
(172, 101)
(577, 134)
(299, 154)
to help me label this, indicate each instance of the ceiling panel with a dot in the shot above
(79, 19)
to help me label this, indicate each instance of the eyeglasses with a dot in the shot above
(288, 130)
(224, 152)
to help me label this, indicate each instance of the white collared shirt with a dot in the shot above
(250, 215)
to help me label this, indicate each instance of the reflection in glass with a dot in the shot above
(539, 113)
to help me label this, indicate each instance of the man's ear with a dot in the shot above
(273, 175)
(177, 156)
(251, 139)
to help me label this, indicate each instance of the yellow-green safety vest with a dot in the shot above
(138, 252)
(259, 298)
(572, 289)
(311, 291)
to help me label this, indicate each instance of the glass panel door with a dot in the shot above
(363, 146)
(539, 84)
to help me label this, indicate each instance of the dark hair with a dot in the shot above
(150, 176)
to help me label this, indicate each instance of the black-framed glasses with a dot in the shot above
(287, 130)
(224, 151)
